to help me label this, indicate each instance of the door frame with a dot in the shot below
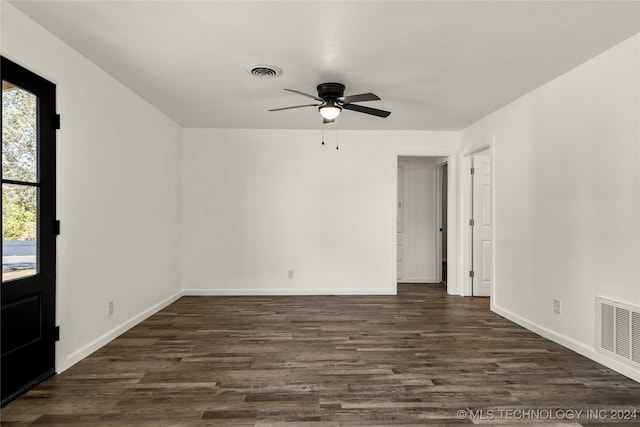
(440, 162)
(452, 212)
(466, 193)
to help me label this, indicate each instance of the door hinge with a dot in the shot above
(56, 333)
(473, 171)
(56, 121)
(56, 227)
(472, 222)
(471, 273)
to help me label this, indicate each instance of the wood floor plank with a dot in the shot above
(418, 358)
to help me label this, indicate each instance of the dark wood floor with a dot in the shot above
(421, 357)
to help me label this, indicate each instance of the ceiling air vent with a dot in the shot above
(264, 71)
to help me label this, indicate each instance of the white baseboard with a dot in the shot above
(570, 343)
(110, 335)
(419, 280)
(284, 292)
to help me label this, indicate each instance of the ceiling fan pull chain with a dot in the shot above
(323, 133)
(337, 135)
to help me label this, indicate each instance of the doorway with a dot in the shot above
(29, 228)
(454, 284)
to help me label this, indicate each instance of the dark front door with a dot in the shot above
(28, 289)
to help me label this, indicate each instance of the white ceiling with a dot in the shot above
(436, 65)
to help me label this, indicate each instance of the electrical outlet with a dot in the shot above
(290, 274)
(110, 308)
(556, 306)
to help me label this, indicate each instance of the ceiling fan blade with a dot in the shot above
(305, 94)
(359, 98)
(366, 110)
(295, 106)
(327, 121)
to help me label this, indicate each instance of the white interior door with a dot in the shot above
(482, 226)
(402, 168)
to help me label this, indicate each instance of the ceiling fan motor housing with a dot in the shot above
(330, 90)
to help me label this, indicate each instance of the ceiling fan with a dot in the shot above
(332, 101)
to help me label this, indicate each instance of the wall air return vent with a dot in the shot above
(619, 331)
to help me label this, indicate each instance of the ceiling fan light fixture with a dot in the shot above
(330, 110)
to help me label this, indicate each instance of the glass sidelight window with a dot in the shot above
(20, 182)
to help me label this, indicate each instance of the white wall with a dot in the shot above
(567, 198)
(118, 187)
(258, 203)
(419, 236)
